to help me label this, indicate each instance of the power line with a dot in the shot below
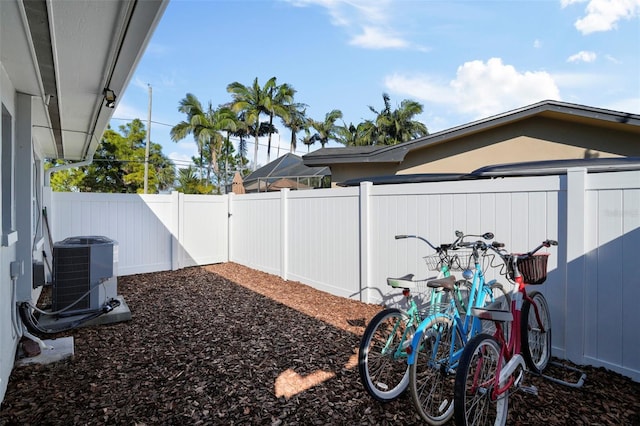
(250, 140)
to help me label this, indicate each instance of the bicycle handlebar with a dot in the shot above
(456, 244)
(498, 248)
(403, 236)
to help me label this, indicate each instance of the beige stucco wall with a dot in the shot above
(533, 139)
(343, 172)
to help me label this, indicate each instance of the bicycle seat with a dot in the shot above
(446, 283)
(492, 314)
(402, 282)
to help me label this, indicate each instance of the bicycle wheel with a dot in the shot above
(432, 374)
(474, 403)
(536, 344)
(382, 358)
(499, 299)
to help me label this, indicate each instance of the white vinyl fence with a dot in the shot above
(342, 241)
(152, 232)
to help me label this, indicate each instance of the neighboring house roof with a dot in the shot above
(396, 153)
(289, 167)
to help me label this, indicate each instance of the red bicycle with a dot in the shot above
(490, 366)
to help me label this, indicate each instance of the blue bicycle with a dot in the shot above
(383, 350)
(439, 340)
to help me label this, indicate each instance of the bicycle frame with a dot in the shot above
(467, 327)
(413, 316)
(413, 313)
(511, 350)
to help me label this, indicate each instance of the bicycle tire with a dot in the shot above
(536, 345)
(383, 373)
(431, 375)
(473, 405)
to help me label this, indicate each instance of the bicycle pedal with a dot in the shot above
(531, 390)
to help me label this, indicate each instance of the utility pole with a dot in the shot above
(146, 153)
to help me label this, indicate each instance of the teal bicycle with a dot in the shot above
(439, 340)
(383, 349)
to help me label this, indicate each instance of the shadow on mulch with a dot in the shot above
(203, 350)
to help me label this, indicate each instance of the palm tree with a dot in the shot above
(351, 135)
(278, 98)
(206, 127)
(327, 129)
(192, 107)
(243, 130)
(223, 119)
(296, 121)
(308, 139)
(252, 102)
(397, 126)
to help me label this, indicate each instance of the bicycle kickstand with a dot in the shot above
(577, 384)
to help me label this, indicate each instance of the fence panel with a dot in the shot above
(141, 225)
(204, 231)
(520, 214)
(342, 241)
(611, 290)
(323, 240)
(255, 231)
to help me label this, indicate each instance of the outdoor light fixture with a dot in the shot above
(109, 98)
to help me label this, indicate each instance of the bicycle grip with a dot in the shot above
(496, 244)
(399, 237)
(549, 243)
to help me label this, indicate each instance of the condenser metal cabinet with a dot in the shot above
(84, 271)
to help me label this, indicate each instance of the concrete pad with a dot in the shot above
(119, 314)
(58, 349)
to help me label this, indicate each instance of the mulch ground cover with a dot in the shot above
(227, 345)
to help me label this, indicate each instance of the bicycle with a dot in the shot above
(440, 338)
(490, 365)
(382, 353)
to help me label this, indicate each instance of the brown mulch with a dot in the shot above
(225, 344)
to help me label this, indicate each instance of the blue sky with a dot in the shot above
(462, 60)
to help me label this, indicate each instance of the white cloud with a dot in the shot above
(128, 112)
(581, 80)
(479, 89)
(369, 20)
(537, 44)
(603, 15)
(582, 56)
(565, 3)
(377, 38)
(631, 105)
(181, 160)
(613, 59)
(157, 49)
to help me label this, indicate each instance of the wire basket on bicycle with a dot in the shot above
(533, 268)
(456, 260)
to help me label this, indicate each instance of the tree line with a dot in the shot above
(242, 118)
(118, 163)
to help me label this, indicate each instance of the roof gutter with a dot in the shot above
(48, 172)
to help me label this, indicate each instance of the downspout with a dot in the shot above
(47, 173)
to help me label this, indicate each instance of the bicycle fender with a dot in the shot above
(417, 337)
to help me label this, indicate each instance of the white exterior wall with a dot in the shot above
(8, 291)
(342, 241)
